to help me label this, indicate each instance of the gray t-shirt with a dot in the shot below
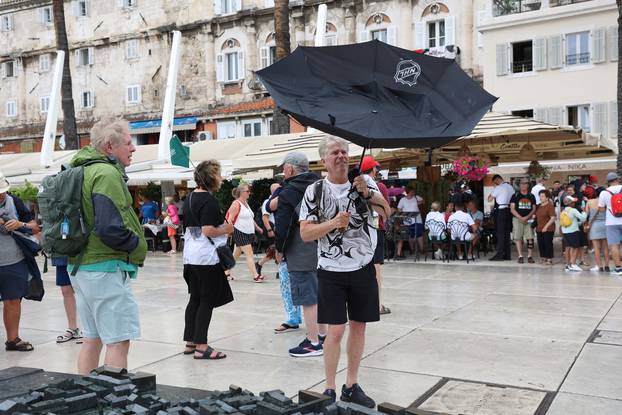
(10, 253)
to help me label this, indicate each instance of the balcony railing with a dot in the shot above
(522, 66)
(578, 58)
(505, 7)
(555, 3)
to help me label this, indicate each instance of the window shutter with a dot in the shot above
(121, 3)
(450, 30)
(237, 5)
(613, 43)
(77, 54)
(420, 35)
(75, 7)
(241, 69)
(263, 52)
(613, 120)
(219, 68)
(91, 56)
(87, 7)
(540, 114)
(364, 36)
(217, 7)
(10, 21)
(556, 59)
(539, 54)
(481, 15)
(599, 119)
(598, 45)
(392, 35)
(555, 115)
(41, 15)
(92, 99)
(503, 63)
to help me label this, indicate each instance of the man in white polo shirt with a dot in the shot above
(613, 224)
(501, 195)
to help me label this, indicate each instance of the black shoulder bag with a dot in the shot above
(225, 256)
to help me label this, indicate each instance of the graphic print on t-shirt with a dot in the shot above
(341, 251)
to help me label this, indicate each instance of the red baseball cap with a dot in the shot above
(368, 163)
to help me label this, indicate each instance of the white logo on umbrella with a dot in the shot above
(407, 72)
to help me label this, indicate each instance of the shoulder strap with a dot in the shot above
(318, 192)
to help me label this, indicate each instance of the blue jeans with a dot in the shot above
(292, 313)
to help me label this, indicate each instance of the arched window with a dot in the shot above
(379, 26)
(230, 62)
(436, 29)
(330, 37)
(268, 52)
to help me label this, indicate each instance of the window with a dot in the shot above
(330, 39)
(44, 104)
(46, 16)
(522, 57)
(131, 49)
(8, 69)
(577, 48)
(268, 56)
(225, 129)
(82, 8)
(251, 128)
(11, 109)
(523, 113)
(380, 34)
(436, 34)
(6, 22)
(87, 99)
(133, 94)
(579, 117)
(84, 56)
(129, 3)
(44, 62)
(227, 6)
(231, 66)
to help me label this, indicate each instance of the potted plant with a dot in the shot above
(470, 168)
(537, 170)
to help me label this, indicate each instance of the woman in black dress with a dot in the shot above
(207, 284)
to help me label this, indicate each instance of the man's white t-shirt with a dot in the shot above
(411, 206)
(535, 191)
(436, 229)
(604, 200)
(265, 212)
(502, 194)
(460, 216)
(341, 251)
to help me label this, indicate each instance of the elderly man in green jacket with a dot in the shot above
(116, 248)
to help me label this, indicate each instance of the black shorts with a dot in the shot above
(242, 239)
(348, 295)
(379, 252)
(572, 240)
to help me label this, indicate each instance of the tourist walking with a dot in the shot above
(116, 247)
(267, 218)
(347, 286)
(597, 231)
(545, 226)
(172, 222)
(613, 217)
(501, 196)
(523, 208)
(570, 219)
(242, 218)
(207, 283)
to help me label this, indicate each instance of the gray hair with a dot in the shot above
(435, 206)
(108, 130)
(330, 140)
(297, 160)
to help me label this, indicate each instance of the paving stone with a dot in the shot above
(248, 409)
(82, 402)
(10, 406)
(137, 409)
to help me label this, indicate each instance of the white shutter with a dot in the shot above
(539, 54)
(450, 30)
(241, 69)
(540, 114)
(503, 63)
(41, 15)
(220, 70)
(599, 119)
(598, 45)
(420, 35)
(121, 3)
(392, 35)
(556, 59)
(481, 15)
(263, 52)
(91, 56)
(75, 7)
(613, 120)
(217, 7)
(555, 115)
(613, 43)
(77, 54)
(364, 36)
(237, 5)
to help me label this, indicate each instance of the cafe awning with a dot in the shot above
(153, 126)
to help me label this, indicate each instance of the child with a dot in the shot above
(570, 219)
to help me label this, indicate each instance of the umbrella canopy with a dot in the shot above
(375, 94)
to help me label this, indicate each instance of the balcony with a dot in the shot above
(507, 7)
(556, 3)
(522, 66)
(578, 59)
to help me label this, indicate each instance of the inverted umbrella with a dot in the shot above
(375, 94)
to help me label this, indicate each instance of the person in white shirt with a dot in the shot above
(535, 191)
(436, 226)
(501, 195)
(613, 224)
(410, 206)
(461, 225)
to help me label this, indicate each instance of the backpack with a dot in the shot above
(564, 219)
(64, 230)
(616, 204)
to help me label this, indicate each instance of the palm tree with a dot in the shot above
(69, 114)
(280, 121)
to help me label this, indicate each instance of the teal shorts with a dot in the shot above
(106, 306)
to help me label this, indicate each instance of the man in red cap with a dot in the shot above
(370, 167)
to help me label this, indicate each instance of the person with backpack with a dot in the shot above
(610, 201)
(116, 247)
(336, 211)
(570, 219)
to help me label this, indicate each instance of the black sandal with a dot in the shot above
(207, 354)
(190, 346)
(18, 345)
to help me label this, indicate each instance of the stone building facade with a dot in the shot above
(119, 53)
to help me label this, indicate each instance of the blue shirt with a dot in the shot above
(148, 211)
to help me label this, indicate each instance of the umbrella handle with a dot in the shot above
(342, 230)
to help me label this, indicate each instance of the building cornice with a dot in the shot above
(19, 5)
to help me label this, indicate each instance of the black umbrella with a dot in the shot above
(375, 94)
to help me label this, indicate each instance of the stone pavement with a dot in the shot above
(468, 339)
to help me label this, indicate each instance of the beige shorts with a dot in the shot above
(521, 231)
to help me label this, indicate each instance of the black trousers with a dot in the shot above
(198, 318)
(545, 244)
(503, 227)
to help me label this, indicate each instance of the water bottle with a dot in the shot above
(64, 228)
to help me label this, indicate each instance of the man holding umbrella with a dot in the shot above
(338, 214)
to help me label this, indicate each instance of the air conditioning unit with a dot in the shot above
(204, 136)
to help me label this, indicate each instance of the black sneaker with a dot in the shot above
(356, 395)
(321, 338)
(331, 394)
(258, 268)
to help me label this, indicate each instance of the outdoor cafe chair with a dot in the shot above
(437, 236)
(458, 232)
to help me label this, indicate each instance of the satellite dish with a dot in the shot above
(61, 142)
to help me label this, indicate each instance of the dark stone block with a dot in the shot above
(82, 383)
(331, 409)
(53, 393)
(48, 405)
(417, 411)
(114, 372)
(189, 411)
(226, 408)
(137, 409)
(209, 408)
(390, 409)
(248, 409)
(15, 372)
(235, 389)
(176, 410)
(105, 380)
(308, 396)
(116, 401)
(99, 390)
(10, 407)
(145, 382)
(267, 408)
(82, 402)
(247, 392)
(277, 398)
(240, 400)
(348, 408)
(126, 389)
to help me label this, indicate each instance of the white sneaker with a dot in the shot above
(576, 268)
(595, 268)
(566, 268)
